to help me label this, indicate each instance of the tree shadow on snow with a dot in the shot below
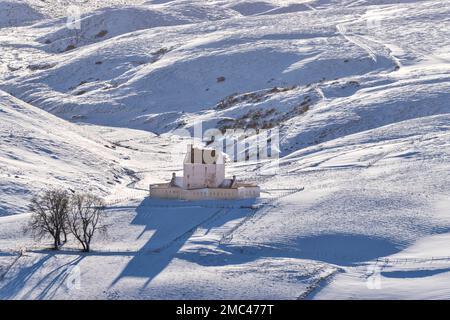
(47, 286)
(52, 281)
(12, 287)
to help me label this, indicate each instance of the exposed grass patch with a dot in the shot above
(69, 47)
(101, 34)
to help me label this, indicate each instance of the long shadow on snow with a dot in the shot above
(172, 223)
(406, 274)
(338, 249)
(345, 249)
(47, 285)
(11, 288)
(52, 281)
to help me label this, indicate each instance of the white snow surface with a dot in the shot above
(359, 89)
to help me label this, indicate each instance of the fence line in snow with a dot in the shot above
(139, 193)
(412, 260)
(139, 251)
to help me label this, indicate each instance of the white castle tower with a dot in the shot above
(203, 179)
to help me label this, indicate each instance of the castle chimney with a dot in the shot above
(174, 177)
(233, 181)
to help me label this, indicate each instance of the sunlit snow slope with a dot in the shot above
(39, 150)
(360, 91)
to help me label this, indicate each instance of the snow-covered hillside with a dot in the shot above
(39, 150)
(360, 91)
(19, 12)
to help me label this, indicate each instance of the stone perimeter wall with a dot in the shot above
(204, 194)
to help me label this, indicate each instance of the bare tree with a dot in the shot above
(85, 218)
(49, 215)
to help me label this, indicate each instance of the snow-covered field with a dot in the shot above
(360, 91)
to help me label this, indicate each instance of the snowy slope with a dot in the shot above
(354, 209)
(18, 12)
(40, 151)
(273, 52)
(359, 90)
(147, 79)
(15, 13)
